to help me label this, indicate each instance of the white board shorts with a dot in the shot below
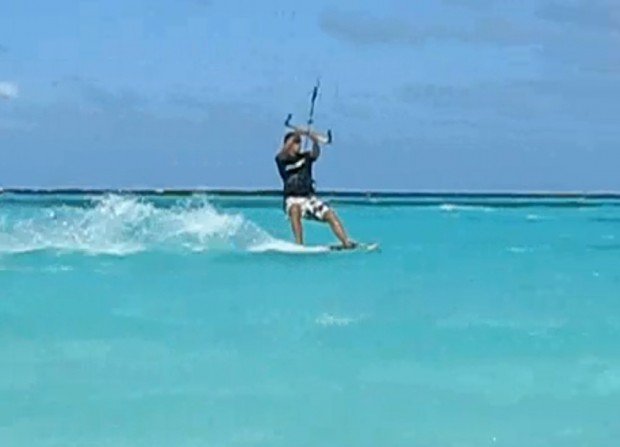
(311, 207)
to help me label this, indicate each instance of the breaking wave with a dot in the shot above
(121, 225)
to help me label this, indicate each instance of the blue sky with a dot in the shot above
(434, 95)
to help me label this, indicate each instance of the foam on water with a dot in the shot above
(333, 320)
(280, 246)
(124, 225)
(520, 250)
(455, 208)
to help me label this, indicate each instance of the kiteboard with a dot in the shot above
(278, 246)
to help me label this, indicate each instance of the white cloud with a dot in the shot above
(8, 90)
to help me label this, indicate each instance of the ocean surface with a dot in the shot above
(147, 320)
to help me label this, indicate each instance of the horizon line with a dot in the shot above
(266, 192)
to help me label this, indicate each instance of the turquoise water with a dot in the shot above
(153, 321)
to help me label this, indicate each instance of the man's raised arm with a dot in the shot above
(316, 146)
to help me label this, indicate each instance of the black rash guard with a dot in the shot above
(296, 173)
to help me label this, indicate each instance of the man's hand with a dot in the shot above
(316, 147)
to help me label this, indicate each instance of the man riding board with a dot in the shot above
(295, 168)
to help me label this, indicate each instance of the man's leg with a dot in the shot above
(295, 216)
(332, 219)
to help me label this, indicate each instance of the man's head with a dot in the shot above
(292, 140)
